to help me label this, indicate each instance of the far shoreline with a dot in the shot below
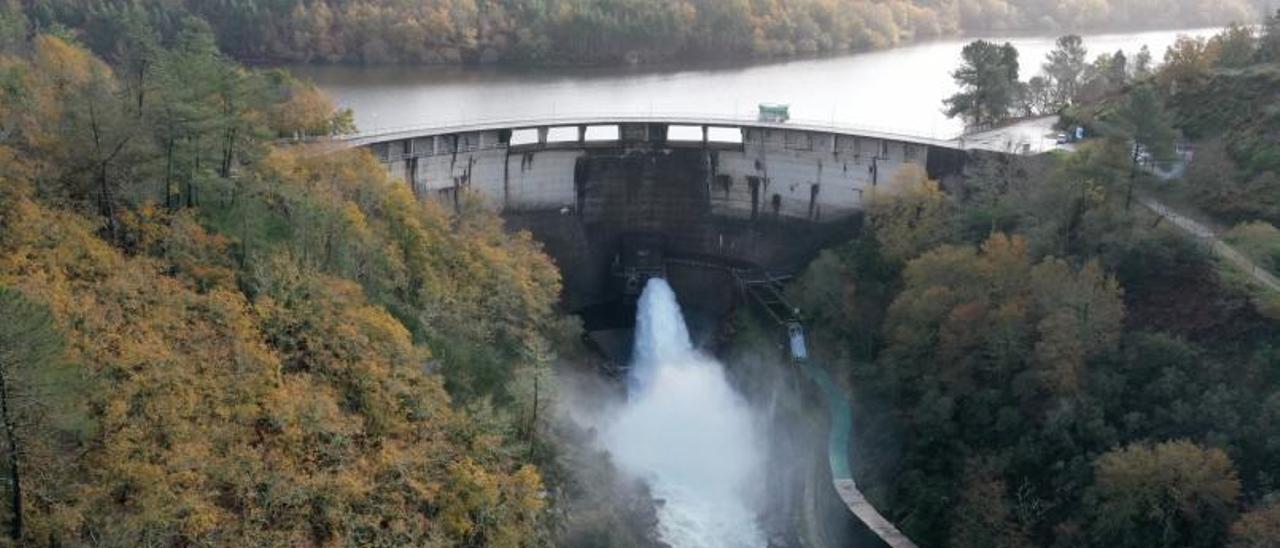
(715, 61)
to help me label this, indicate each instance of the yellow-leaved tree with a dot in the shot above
(911, 216)
(304, 416)
(968, 318)
(1168, 494)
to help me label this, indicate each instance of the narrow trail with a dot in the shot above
(1205, 234)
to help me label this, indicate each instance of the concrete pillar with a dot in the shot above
(658, 134)
(411, 173)
(542, 135)
(633, 132)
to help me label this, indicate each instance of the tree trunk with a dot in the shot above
(15, 477)
(228, 153)
(168, 176)
(106, 202)
(244, 234)
(142, 88)
(1133, 175)
(191, 175)
(531, 434)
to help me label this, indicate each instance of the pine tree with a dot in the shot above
(31, 362)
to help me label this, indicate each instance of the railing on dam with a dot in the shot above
(385, 134)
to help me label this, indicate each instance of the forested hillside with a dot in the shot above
(1038, 360)
(600, 31)
(1219, 95)
(211, 340)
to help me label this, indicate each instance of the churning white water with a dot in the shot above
(687, 433)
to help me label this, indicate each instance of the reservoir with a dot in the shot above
(897, 90)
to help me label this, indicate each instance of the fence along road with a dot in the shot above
(1205, 234)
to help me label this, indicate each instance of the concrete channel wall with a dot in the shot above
(838, 438)
(869, 528)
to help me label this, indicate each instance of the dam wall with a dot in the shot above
(792, 174)
(769, 196)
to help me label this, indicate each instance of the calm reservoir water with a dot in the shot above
(899, 90)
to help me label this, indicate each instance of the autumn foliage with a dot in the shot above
(1033, 363)
(263, 361)
(596, 31)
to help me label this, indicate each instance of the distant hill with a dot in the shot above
(605, 31)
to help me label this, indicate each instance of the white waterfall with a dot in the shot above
(687, 433)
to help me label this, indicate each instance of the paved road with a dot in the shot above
(1206, 234)
(1033, 135)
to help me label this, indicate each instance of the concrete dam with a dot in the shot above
(703, 203)
(608, 196)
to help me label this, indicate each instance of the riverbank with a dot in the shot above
(712, 60)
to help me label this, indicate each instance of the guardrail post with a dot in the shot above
(582, 134)
(542, 135)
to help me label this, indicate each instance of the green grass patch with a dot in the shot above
(1237, 280)
(1258, 240)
